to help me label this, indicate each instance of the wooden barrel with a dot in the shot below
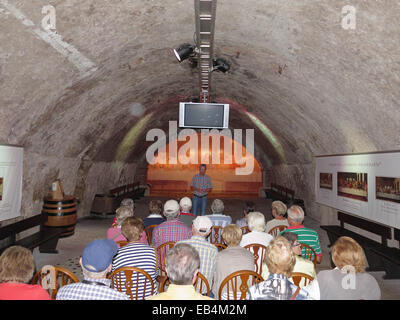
(61, 214)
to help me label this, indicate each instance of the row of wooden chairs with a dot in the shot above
(237, 282)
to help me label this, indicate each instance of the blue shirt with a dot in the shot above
(84, 291)
(202, 182)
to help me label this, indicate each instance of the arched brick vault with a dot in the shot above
(305, 84)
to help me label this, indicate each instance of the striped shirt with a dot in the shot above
(170, 230)
(84, 291)
(307, 236)
(219, 220)
(208, 256)
(202, 182)
(141, 256)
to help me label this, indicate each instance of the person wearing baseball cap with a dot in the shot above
(172, 229)
(96, 263)
(278, 212)
(201, 229)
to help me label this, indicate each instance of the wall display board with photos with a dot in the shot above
(366, 185)
(11, 162)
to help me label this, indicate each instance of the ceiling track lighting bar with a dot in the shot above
(205, 14)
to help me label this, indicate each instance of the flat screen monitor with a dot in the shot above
(203, 115)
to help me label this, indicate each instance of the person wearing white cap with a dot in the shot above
(185, 215)
(172, 229)
(201, 229)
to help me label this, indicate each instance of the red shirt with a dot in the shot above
(22, 291)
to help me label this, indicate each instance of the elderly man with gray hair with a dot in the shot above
(182, 265)
(172, 229)
(218, 218)
(305, 235)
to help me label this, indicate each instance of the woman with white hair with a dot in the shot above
(257, 234)
(115, 233)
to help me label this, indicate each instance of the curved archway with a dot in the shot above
(234, 171)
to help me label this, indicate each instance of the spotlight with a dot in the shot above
(220, 64)
(184, 51)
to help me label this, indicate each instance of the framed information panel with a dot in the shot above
(11, 165)
(367, 185)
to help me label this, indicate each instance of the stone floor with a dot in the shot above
(92, 228)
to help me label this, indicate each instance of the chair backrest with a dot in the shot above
(237, 284)
(276, 230)
(220, 246)
(308, 253)
(215, 235)
(201, 282)
(129, 280)
(161, 254)
(122, 243)
(52, 278)
(258, 251)
(149, 232)
(245, 229)
(301, 279)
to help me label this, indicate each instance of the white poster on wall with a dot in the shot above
(366, 185)
(11, 162)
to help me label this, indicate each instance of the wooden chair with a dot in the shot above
(234, 287)
(149, 232)
(127, 279)
(258, 251)
(161, 253)
(198, 285)
(52, 278)
(122, 243)
(301, 279)
(245, 229)
(308, 253)
(276, 230)
(220, 246)
(215, 235)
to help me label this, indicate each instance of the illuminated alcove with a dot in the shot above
(233, 169)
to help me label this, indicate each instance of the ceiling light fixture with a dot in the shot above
(185, 51)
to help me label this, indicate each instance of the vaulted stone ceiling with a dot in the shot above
(307, 85)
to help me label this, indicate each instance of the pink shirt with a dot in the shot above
(22, 291)
(112, 232)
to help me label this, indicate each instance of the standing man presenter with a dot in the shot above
(201, 185)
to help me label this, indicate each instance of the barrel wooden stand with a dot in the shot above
(61, 214)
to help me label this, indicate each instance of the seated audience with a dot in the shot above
(249, 207)
(231, 259)
(155, 217)
(137, 254)
(115, 233)
(185, 215)
(172, 229)
(280, 260)
(96, 263)
(305, 235)
(278, 212)
(348, 280)
(16, 270)
(182, 265)
(127, 202)
(201, 229)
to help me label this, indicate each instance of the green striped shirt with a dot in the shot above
(307, 236)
